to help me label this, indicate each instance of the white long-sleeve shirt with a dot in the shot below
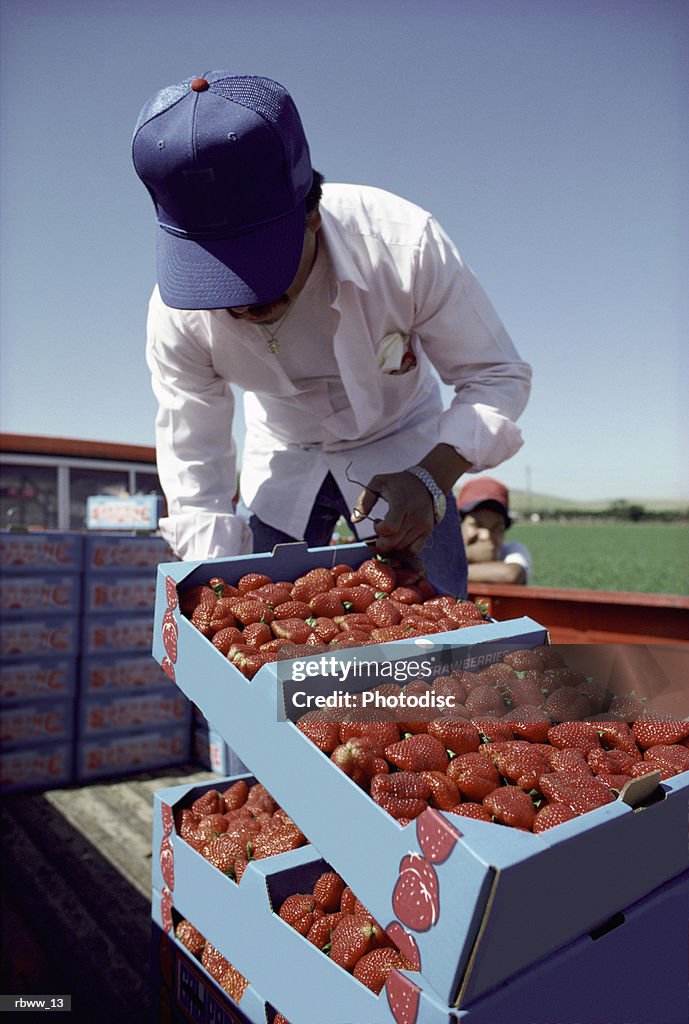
(395, 284)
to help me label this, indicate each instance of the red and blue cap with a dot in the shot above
(227, 164)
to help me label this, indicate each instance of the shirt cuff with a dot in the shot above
(482, 435)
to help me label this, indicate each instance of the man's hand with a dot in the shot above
(409, 520)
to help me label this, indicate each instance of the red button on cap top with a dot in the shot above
(199, 85)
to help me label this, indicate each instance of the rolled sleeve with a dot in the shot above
(468, 345)
(195, 449)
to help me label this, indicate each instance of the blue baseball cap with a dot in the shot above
(227, 164)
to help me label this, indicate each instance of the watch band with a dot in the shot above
(437, 496)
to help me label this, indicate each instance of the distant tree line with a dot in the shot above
(618, 511)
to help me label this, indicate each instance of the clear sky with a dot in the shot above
(549, 137)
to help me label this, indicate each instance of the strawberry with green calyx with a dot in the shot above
(517, 761)
(196, 596)
(295, 631)
(493, 730)
(323, 628)
(613, 761)
(510, 805)
(321, 931)
(418, 753)
(617, 736)
(300, 911)
(357, 758)
(327, 603)
(474, 775)
(353, 937)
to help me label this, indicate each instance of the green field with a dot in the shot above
(641, 557)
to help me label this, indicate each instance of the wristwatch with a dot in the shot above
(437, 497)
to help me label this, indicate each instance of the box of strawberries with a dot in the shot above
(233, 876)
(449, 767)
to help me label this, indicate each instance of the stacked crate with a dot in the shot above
(40, 608)
(129, 715)
(587, 921)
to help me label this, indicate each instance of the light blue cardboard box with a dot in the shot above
(483, 888)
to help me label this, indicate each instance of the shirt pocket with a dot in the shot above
(395, 354)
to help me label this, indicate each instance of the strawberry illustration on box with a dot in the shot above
(464, 911)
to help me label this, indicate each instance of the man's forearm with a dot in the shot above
(445, 466)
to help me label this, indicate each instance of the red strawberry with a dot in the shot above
(382, 733)
(248, 609)
(511, 806)
(328, 604)
(352, 938)
(671, 757)
(192, 597)
(525, 660)
(485, 700)
(616, 783)
(321, 931)
(419, 753)
(493, 730)
(300, 911)
(614, 761)
(252, 581)
(457, 735)
(388, 634)
(451, 686)
(626, 709)
(474, 775)
(339, 569)
(257, 633)
(415, 898)
(323, 628)
(617, 736)
(498, 674)
(568, 761)
(259, 799)
(355, 621)
(321, 730)
(190, 937)
(348, 901)
(357, 759)
(524, 690)
(248, 660)
(225, 638)
(401, 794)
(214, 962)
(403, 998)
(372, 968)
(517, 761)
(235, 795)
(222, 851)
(657, 728)
(273, 593)
(296, 631)
(472, 810)
(328, 890)
(279, 1019)
(564, 676)
(384, 613)
(550, 815)
(407, 595)
(210, 802)
(444, 792)
(357, 598)
(212, 825)
(379, 574)
(528, 723)
(234, 983)
(566, 704)
(577, 792)
(279, 840)
(316, 581)
(581, 736)
(293, 610)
